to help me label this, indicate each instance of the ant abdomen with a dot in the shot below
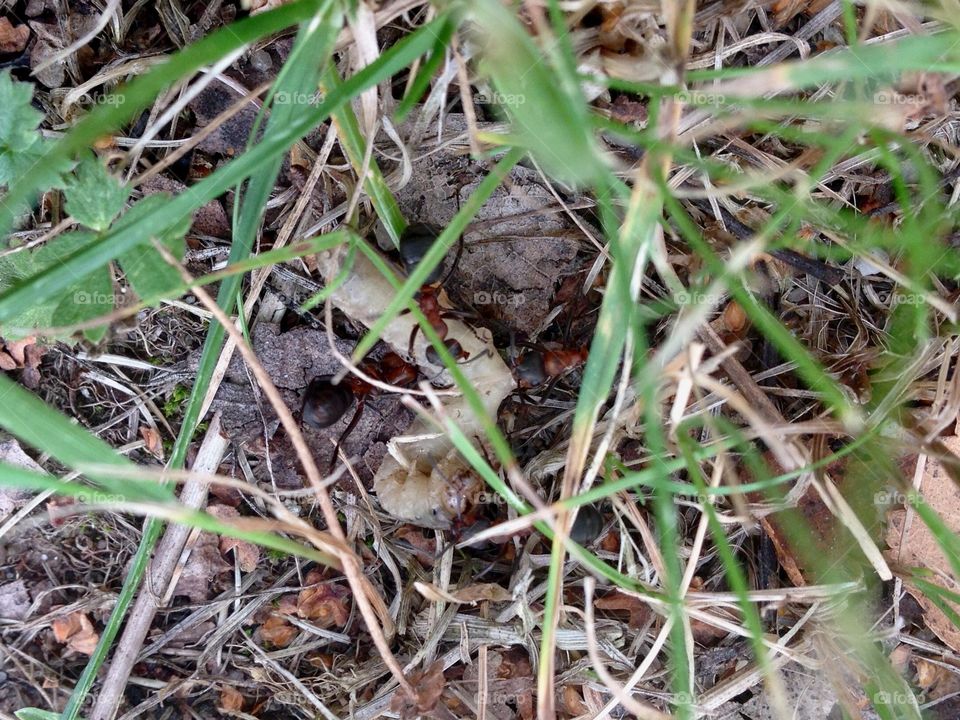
(453, 347)
(324, 403)
(415, 241)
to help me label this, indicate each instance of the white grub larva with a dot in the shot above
(428, 487)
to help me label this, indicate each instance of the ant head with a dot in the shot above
(416, 240)
(530, 370)
(324, 403)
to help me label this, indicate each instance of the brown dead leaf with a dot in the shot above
(514, 676)
(936, 680)
(425, 548)
(231, 699)
(483, 591)
(824, 535)
(326, 604)
(916, 547)
(204, 564)
(153, 441)
(618, 601)
(786, 10)
(13, 39)
(247, 554)
(64, 627)
(900, 657)
(76, 631)
(17, 349)
(226, 494)
(706, 634)
(287, 605)
(278, 632)
(428, 686)
(510, 684)
(573, 703)
(23, 354)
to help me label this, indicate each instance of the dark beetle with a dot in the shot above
(415, 242)
(588, 525)
(530, 371)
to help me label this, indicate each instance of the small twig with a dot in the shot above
(108, 11)
(620, 693)
(193, 496)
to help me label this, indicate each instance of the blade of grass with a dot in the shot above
(734, 572)
(436, 253)
(52, 281)
(547, 111)
(429, 68)
(297, 82)
(138, 496)
(142, 91)
(355, 146)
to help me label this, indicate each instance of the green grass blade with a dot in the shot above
(143, 91)
(353, 142)
(548, 118)
(52, 281)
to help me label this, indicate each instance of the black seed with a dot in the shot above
(324, 403)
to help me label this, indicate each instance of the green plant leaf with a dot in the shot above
(141, 92)
(21, 145)
(18, 119)
(94, 196)
(32, 421)
(551, 123)
(36, 714)
(49, 282)
(81, 300)
(151, 276)
(90, 298)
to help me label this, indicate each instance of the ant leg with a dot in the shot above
(361, 403)
(548, 389)
(525, 397)
(413, 336)
(456, 261)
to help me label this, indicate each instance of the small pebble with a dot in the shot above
(260, 60)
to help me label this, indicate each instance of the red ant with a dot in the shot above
(541, 365)
(415, 242)
(324, 402)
